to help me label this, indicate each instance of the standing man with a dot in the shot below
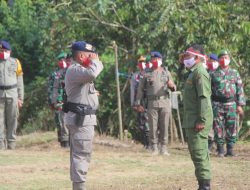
(142, 118)
(80, 108)
(55, 98)
(11, 95)
(228, 99)
(198, 114)
(156, 85)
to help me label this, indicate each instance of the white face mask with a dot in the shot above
(215, 64)
(189, 62)
(226, 61)
(159, 62)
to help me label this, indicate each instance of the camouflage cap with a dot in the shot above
(61, 55)
(223, 52)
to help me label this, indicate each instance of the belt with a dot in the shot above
(222, 100)
(157, 97)
(8, 87)
(80, 109)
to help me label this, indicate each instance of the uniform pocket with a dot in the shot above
(82, 144)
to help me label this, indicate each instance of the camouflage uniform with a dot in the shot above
(56, 94)
(142, 117)
(227, 94)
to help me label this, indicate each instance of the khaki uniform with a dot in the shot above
(80, 90)
(198, 109)
(11, 89)
(158, 106)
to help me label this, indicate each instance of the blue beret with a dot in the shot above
(156, 54)
(213, 56)
(82, 46)
(5, 45)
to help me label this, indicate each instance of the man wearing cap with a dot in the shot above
(228, 99)
(11, 95)
(56, 98)
(212, 63)
(156, 85)
(142, 118)
(81, 106)
(198, 114)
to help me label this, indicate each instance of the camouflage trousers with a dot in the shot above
(225, 122)
(62, 131)
(142, 123)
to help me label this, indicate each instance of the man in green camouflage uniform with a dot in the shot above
(56, 94)
(142, 117)
(228, 99)
(198, 114)
(11, 95)
(156, 85)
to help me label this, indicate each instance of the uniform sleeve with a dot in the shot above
(170, 76)
(85, 75)
(20, 86)
(203, 87)
(240, 98)
(140, 91)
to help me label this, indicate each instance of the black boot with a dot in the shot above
(65, 144)
(204, 184)
(230, 150)
(220, 149)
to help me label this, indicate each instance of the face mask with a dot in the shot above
(62, 64)
(4, 55)
(215, 65)
(156, 63)
(86, 62)
(189, 62)
(141, 66)
(224, 62)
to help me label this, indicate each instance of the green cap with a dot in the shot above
(223, 52)
(148, 58)
(61, 55)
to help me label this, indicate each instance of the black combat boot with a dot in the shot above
(204, 184)
(220, 149)
(65, 144)
(230, 150)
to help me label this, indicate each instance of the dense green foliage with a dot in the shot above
(39, 30)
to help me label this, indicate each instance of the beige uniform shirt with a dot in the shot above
(80, 89)
(11, 74)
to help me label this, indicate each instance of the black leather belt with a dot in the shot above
(8, 87)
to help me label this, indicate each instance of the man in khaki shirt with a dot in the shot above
(11, 95)
(156, 85)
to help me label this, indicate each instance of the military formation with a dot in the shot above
(213, 100)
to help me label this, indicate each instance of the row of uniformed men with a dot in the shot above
(222, 86)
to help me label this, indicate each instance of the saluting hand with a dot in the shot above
(199, 126)
(93, 56)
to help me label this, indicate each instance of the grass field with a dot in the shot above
(39, 163)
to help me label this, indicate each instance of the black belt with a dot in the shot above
(8, 87)
(157, 97)
(80, 109)
(222, 100)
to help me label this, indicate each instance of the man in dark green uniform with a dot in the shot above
(198, 114)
